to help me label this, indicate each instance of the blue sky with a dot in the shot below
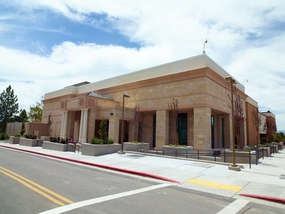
(46, 45)
(38, 30)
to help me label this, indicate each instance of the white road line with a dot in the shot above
(77, 205)
(234, 207)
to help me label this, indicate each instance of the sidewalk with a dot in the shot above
(265, 180)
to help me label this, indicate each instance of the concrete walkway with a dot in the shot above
(265, 181)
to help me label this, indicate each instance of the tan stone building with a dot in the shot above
(198, 84)
(269, 127)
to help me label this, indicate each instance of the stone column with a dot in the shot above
(63, 128)
(65, 124)
(202, 128)
(228, 131)
(132, 131)
(162, 128)
(114, 127)
(83, 126)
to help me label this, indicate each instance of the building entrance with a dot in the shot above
(182, 128)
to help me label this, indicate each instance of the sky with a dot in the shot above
(46, 45)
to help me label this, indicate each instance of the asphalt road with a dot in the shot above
(35, 184)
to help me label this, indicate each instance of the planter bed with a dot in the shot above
(240, 157)
(58, 146)
(175, 150)
(14, 140)
(99, 149)
(129, 146)
(29, 142)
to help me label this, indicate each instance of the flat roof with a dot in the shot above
(188, 64)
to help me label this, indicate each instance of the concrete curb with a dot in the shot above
(267, 198)
(143, 174)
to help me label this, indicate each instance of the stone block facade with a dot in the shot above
(197, 83)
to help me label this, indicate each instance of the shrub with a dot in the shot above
(63, 141)
(96, 140)
(110, 141)
(17, 135)
(53, 139)
(30, 136)
(4, 136)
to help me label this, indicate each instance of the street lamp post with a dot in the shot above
(122, 133)
(232, 81)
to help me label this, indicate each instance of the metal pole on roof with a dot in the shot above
(206, 41)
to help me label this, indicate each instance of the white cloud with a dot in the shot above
(242, 38)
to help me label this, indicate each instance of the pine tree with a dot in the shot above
(8, 106)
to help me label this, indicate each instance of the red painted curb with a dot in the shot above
(268, 198)
(143, 174)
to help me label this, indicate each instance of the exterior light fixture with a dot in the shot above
(233, 166)
(122, 133)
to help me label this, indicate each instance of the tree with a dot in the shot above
(280, 137)
(49, 124)
(256, 119)
(23, 129)
(36, 112)
(173, 108)
(103, 131)
(271, 129)
(23, 116)
(239, 116)
(8, 106)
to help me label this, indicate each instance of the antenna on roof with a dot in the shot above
(206, 41)
(246, 80)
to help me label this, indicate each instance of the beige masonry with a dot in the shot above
(202, 128)
(162, 128)
(198, 84)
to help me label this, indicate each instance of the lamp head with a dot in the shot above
(230, 79)
(127, 96)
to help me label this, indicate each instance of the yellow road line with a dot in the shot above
(22, 180)
(215, 185)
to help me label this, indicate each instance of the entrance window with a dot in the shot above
(182, 128)
(223, 133)
(213, 131)
(154, 131)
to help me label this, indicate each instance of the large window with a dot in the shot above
(213, 131)
(182, 128)
(223, 133)
(154, 131)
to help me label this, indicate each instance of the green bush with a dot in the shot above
(110, 141)
(30, 136)
(53, 139)
(96, 140)
(4, 136)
